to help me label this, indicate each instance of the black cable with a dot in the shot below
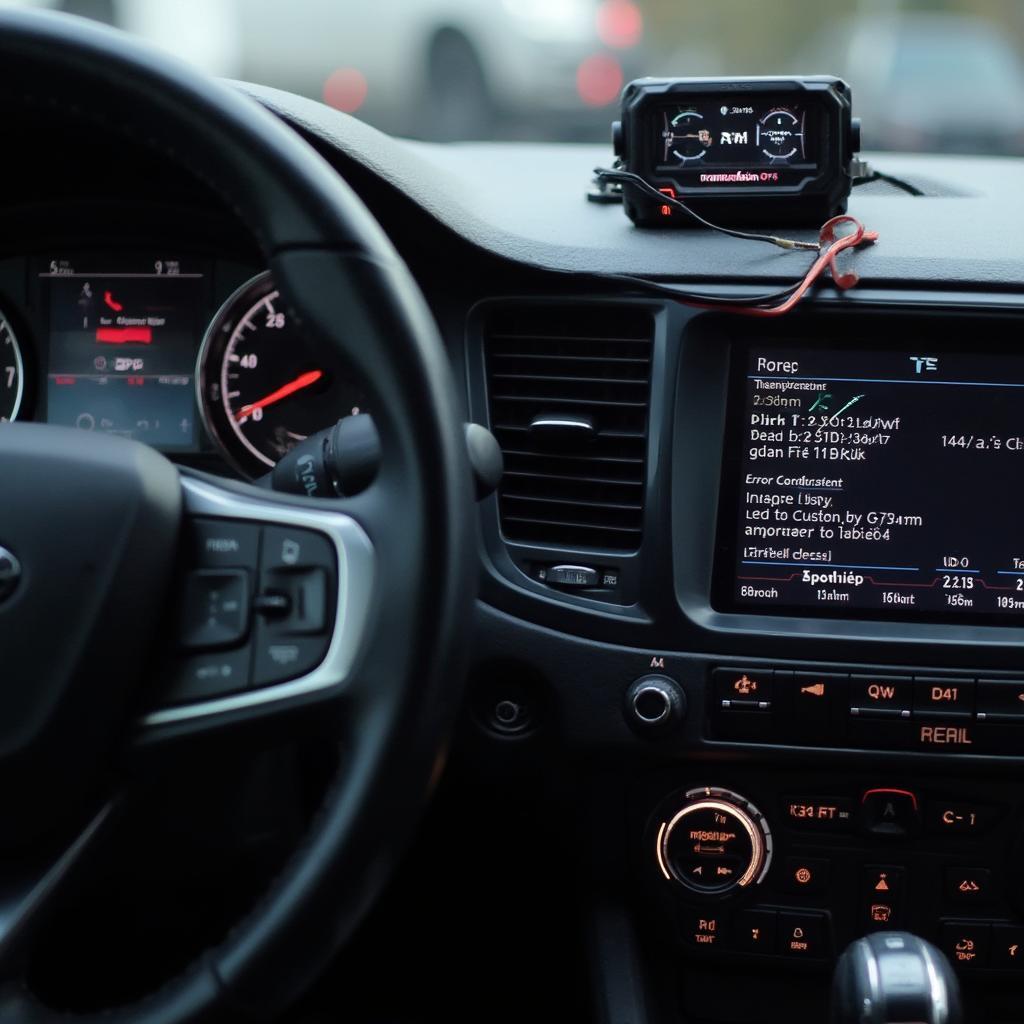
(607, 174)
(899, 183)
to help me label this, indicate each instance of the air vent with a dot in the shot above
(569, 389)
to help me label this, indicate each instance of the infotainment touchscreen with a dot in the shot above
(875, 484)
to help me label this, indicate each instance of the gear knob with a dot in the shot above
(894, 978)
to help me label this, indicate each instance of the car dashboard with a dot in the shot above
(761, 580)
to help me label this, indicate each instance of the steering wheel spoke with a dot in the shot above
(30, 889)
(273, 604)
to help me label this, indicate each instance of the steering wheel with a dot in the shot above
(99, 531)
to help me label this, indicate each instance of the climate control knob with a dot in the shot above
(716, 843)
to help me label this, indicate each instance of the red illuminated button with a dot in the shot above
(743, 689)
(969, 885)
(882, 893)
(1008, 946)
(813, 695)
(702, 929)
(754, 931)
(881, 696)
(966, 943)
(806, 876)
(803, 936)
(889, 812)
(948, 698)
(826, 814)
(956, 816)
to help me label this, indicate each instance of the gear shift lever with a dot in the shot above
(894, 978)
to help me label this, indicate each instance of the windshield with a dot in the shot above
(926, 76)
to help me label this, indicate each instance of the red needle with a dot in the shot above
(302, 381)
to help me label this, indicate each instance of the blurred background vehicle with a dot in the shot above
(927, 75)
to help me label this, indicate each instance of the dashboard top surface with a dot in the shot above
(527, 202)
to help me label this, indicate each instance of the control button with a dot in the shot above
(743, 689)
(1008, 946)
(881, 696)
(280, 658)
(702, 929)
(214, 608)
(803, 935)
(285, 548)
(814, 694)
(959, 817)
(305, 596)
(824, 814)
(882, 888)
(754, 931)
(999, 700)
(715, 843)
(654, 705)
(966, 943)
(949, 698)
(223, 543)
(204, 676)
(806, 876)
(889, 812)
(968, 886)
(569, 576)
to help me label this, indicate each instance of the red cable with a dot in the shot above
(830, 248)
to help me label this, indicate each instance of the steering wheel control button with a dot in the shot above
(654, 705)
(819, 814)
(214, 608)
(10, 573)
(803, 936)
(882, 889)
(959, 817)
(744, 690)
(890, 812)
(881, 696)
(1000, 701)
(224, 544)
(754, 931)
(946, 698)
(1008, 947)
(717, 843)
(966, 943)
(204, 676)
(968, 886)
(293, 634)
(807, 877)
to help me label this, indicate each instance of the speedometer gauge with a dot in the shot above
(263, 386)
(12, 372)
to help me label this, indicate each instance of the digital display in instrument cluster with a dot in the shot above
(122, 349)
(876, 484)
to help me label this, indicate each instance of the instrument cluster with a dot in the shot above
(192, 357)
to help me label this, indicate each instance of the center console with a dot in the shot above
(816, 704)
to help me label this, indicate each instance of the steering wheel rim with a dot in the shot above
(349, 288)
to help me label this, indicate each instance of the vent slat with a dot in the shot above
(596, 361)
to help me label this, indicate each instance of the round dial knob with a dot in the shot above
(716, 843)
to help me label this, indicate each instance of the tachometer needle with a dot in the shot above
(304, 380)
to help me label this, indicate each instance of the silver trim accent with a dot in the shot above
(583, 423)
(666, 709)
(19, 366)
(356, 586)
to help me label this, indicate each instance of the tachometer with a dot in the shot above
(263, 386)
(12, 372)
